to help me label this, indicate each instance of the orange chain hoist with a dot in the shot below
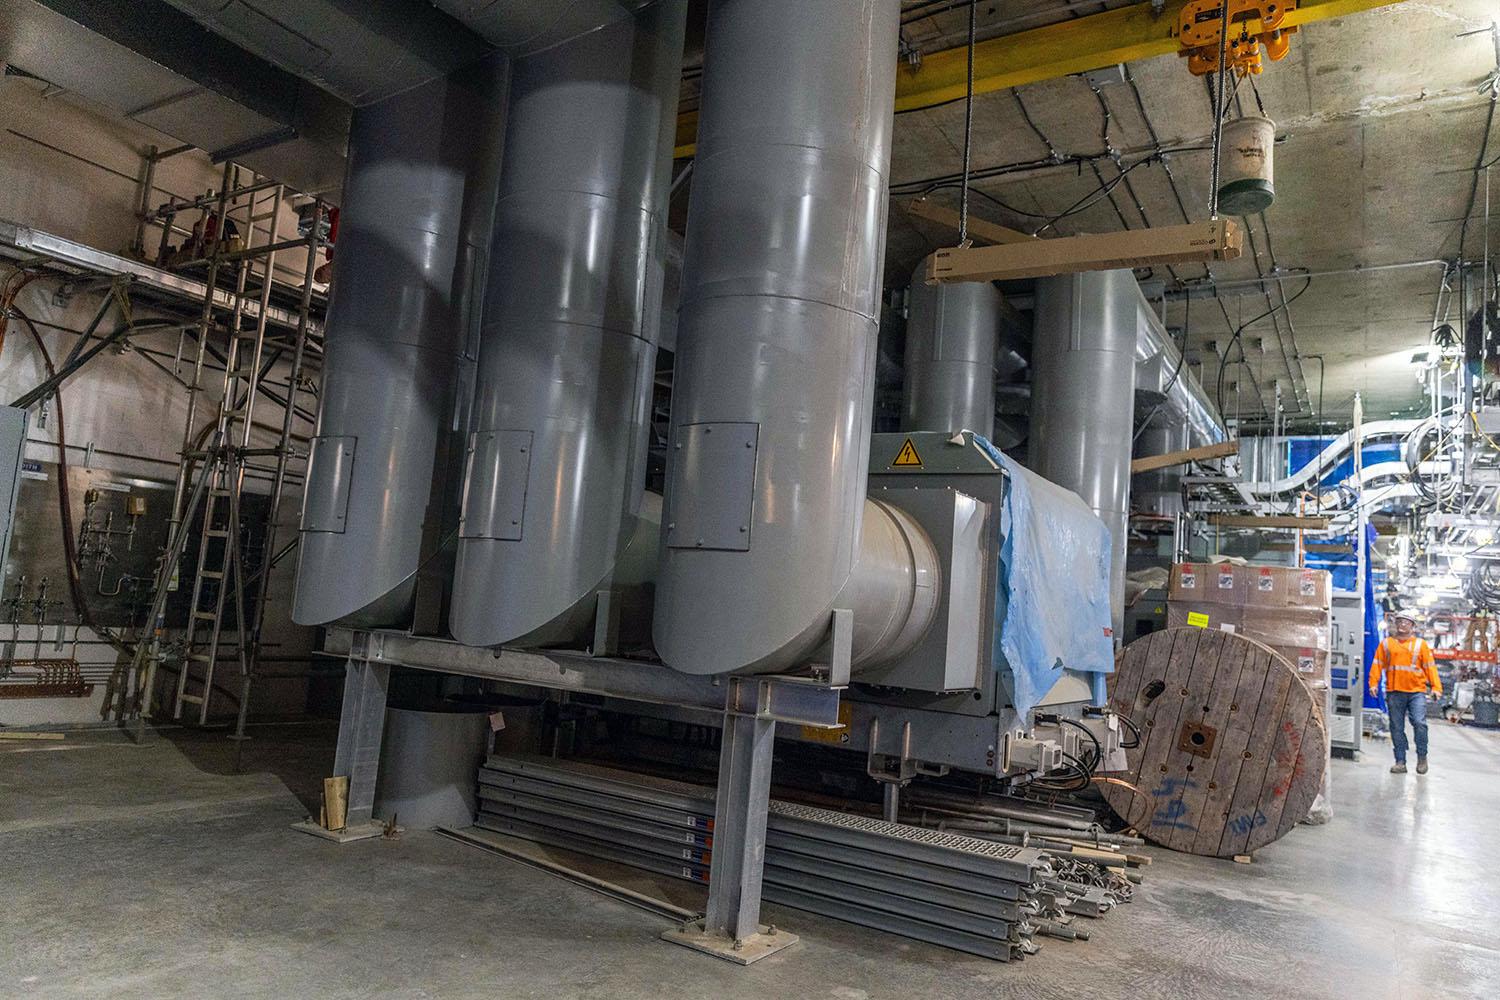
(1197, 33)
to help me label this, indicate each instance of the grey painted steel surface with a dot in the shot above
(567, 357)
(413, 240)
(951, 361)
(1083, 402)
(427, 765)
(780, 295)
(361, 730)
(917, 733)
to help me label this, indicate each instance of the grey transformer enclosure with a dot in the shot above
(413, 235)
(557, 454)
(776, 339)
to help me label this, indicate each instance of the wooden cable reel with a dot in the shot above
(1232, 742)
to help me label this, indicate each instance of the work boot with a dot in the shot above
(1399, 767)
(1421, 765)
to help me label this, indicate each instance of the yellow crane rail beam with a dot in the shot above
(1076, 46)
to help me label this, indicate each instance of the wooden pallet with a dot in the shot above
(1231, 749)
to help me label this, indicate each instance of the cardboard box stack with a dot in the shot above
(1284, 607)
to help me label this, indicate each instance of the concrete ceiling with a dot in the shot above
(1381, 116)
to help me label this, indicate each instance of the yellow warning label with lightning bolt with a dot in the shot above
(907, 457)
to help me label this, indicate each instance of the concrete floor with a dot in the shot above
(157, 872)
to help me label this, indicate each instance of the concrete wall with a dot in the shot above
(70, 170)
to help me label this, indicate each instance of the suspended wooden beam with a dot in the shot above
(1055, 50)
(1197, 241)
(1202, 453)
(981, 230)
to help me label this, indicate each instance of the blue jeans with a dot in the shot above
(1402, 704)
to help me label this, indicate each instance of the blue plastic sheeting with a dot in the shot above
(1053, 598)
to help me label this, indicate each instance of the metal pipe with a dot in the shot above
(776, 344)
(414, 234)
(558, 449)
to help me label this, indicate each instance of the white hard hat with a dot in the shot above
(1403, 613)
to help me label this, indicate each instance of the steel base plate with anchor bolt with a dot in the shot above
(742, 951)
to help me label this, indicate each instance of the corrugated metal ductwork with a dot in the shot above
(777, 333)
(413, 241)
(557, 456)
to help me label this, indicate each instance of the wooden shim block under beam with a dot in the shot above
(1200, 454)
(1196, 241)
(979, 229)
(1286, 521)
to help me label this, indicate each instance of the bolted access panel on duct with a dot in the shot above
(499, 469)
(722, 453)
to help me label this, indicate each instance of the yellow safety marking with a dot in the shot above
(907, 457)
(839, 734)
(1198, 619)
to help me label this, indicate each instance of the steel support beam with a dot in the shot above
(361, 731)
(361, 728)
(923, 739)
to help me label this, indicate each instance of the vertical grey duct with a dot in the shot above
(951, 333)
(1160, 492)
(413, 236)
(1083, 398)
(776, 338)
(556, 463)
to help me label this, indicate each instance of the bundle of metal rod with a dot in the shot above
(972, 895)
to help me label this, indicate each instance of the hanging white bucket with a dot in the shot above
(1245, 175)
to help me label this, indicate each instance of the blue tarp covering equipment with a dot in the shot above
(1053, 598)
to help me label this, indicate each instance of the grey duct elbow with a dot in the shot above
(895, 588)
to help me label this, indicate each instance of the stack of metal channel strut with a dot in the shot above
(962, 892)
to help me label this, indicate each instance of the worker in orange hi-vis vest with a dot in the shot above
(1405, 660)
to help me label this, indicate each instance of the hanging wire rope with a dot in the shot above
(1213, 186)
(963, 204)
